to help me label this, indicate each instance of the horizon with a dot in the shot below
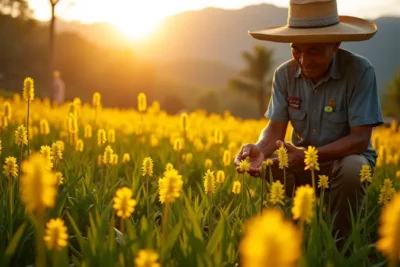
(138, 21)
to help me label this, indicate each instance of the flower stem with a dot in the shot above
(148, 197)
(10, 182)
(165, 224)
(262, 189)
(284, 179)
(243, 197)
(313, 180)
(122, 227)
(270, 175)
(27, 127)
(209, 216)
(40, 250)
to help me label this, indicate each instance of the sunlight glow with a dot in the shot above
(136, 28)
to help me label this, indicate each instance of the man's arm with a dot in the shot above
(354, 143)
(273, 132)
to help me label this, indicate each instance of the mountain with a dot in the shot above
(204, 47)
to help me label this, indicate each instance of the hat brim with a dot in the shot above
(349, 29)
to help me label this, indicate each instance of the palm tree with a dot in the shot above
(255, 79)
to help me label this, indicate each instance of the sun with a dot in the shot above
(136, 22)
(136, 29)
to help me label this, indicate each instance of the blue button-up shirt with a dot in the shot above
(324, 112)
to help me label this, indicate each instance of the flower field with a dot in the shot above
(83, 185)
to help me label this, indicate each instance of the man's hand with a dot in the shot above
(295, 155)
(256, 158)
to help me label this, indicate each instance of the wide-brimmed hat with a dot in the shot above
(317, 21)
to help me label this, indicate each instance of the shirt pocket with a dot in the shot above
(298, 120)
(336, 124)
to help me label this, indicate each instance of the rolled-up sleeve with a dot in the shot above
(277, 107)
(364, 107)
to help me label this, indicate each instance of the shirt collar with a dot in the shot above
(334, 71)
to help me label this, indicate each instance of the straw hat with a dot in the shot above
(317, 21)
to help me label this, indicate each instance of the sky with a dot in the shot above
(141, 16)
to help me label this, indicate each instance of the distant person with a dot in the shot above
(330, 97)
(57, 94)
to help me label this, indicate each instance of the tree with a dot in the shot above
(15, 8)
(392, 97)
(255, 79)
(53, 4)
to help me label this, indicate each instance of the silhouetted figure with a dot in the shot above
(57, 93)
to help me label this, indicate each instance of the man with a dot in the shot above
(330, 97)
(57, 93)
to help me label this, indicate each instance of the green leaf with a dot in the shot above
(12, 246)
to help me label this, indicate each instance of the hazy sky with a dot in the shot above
(140, 16)
(99, 10)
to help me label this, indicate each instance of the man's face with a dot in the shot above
(314, 59)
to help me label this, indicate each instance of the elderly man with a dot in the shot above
(330, 97)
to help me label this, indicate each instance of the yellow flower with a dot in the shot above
(60, 178)
(264, 245)
(198, 144)
(387, 192)
(79, 145)
(398, 174)
(311, 159)
(46, 152)
(303, 204)
(178, 144)
(146, 258)
(283, 157)
(115, 159)
(277, 193)
(169, 167)
(252, 193)
(142, 102)
(101, 137)
(56, 234)
(88, 131)
(209, 182)
(72, 123)
(3, 122)
(57, 149)
(10, 167)
(29, 91)
(21, 137)
(188, 157)
(365, 174)
(227, 158)
(124, 203)
(323, 182)
(184, 121)
(126, 158)
(147, 167)
(170, 186)
(220, 177)
(111, 136)
(244, 165)
(44, 127)
(218, 136)
(38, 183)
(389, 230)
(154, 140)
(96, 100)
(108, 157)
(208, 163)
(267, 163)
(236, 188)
(7, 110)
